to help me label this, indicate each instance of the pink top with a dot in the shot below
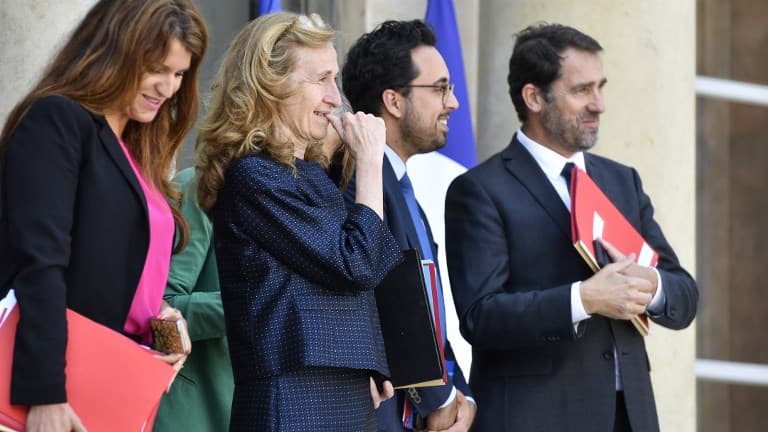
(149, 292)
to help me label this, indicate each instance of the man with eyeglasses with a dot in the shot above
(553, 346)
(396, 72)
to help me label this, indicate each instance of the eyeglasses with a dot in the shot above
(445, 89)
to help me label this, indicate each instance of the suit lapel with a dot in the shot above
(115, 152)
(524, 168)
(396, 210)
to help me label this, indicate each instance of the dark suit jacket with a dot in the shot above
(74, 233)
(398, 219)
(511, 267)
(297, 271)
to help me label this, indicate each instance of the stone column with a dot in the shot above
(32, 31)
(649, 50)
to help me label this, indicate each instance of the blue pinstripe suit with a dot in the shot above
(297, 271)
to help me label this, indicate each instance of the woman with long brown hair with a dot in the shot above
(85, 221)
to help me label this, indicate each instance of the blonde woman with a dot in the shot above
(297, 267)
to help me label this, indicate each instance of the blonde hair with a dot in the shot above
(102, 64)
(251, 83)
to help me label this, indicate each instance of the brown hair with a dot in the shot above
(102, 64)
(252, 81)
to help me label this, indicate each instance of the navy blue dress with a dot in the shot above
(297, 269)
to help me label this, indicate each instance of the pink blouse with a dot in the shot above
(149, 292)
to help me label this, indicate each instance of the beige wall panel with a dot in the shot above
(32, 31)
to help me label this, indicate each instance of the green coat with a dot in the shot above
(201, 395)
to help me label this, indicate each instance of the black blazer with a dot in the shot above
(73, 233)
(511, 267)
(398, 219)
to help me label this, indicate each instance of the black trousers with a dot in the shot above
(621, 419)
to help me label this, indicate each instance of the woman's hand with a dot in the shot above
(53, 418)
(364, 135)
(170, 313)
(377, 397)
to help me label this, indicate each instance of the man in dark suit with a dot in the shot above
(553, 347)
(397, 73)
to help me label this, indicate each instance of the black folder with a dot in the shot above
(406, 320)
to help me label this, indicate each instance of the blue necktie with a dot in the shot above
(426, 253)
(424, 244)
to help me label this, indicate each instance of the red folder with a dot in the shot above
(593, 216)
(113, 384)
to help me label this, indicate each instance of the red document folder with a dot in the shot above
(593, 216)
(113, 384)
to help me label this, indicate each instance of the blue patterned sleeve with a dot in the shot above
(316, 235)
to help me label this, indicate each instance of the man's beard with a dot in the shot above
(572, 136)
(421, 139)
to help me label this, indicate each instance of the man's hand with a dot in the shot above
(53, 418)
(465, 416)
(444, 417)
(615, 293)
(634, 270)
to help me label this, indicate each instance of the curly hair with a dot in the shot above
(381, 60)
(252, 81)
(101, 66)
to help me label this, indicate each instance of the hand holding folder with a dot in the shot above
(594, 217)
(113, 384)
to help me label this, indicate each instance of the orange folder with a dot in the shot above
(593, 216)
(113, 383)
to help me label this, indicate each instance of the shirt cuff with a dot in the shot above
(450, 399)
(656, 306)
(578, 314)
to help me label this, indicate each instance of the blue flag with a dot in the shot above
(269, 6)
(461, 138)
